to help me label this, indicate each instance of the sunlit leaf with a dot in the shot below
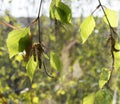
(19, 57)
(103, 96)
(60, 92)
(104, 77)
(52, 37)
(117, 56)
(89, 99)
(31, 67)
(14, 42)
(34, 85)
(87, 27)
(35, 100)
(1, 53)
(55, 61)
(112, 17)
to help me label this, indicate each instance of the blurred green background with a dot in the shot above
(81, 64)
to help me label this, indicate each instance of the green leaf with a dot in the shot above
(31, 67)
(35, 100)
(7, 18)
(104, 77)
(117, 56)
(60, 12)
(52, 9)
(52, 37)
(46, 56)
(87, 27)
(103, 96)
(55, 61)
(89, 99)
(15, 39)
(24, 43)
(63, 13)
(112, 17)
(19, 57)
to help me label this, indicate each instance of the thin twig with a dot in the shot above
(105, 14)
(112, 40)
(39, 28)
(46, 71)
(95, 9)
(9, 25)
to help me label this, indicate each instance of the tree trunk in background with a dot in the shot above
(65, 56)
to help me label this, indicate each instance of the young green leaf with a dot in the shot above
(19, 57)
(60, 12)
(52, 8)
(24, 43)
(13, 41)
(64, 12)
(55, 61)
(104, 77)
(87, 27)
(31, 67)
(117, 56)
(35, 100)
(103, 96)
(89, 99)
(112, 17)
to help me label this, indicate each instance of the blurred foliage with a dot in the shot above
(78, 79)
